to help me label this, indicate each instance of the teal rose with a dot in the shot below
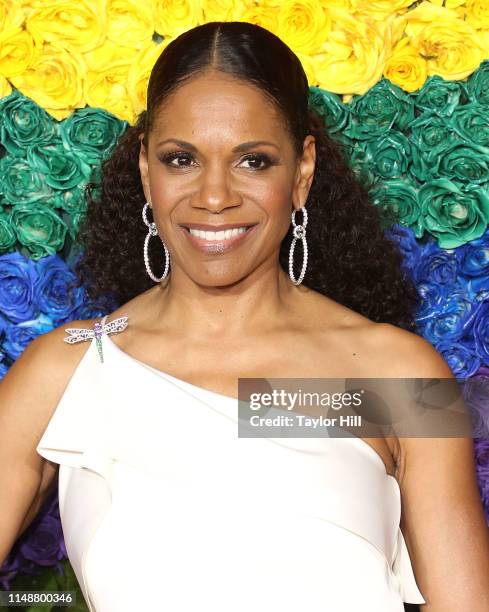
(71, 200)
(471, 122)
(429, 133)
(7, 234)
(439, 96)
(453, 213)
(383, 107)
(38, 228)
(401, 197)
(478, 84)
(91, 133)
(458, 160)
(62, 169)
(330, 107)
(21, 183)
(24, 123)
(389, 155)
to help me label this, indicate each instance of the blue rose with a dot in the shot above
(478, 288)
(407, 244)
(17, 278)
(473, 257)
(480, 331)
(454, 318)
(433, 297)
(51, 289)
(436, 265)
(460, 357)
(20, 335)
(42, 547)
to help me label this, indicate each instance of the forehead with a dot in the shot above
(217, 104)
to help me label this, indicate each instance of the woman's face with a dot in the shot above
(201, 168)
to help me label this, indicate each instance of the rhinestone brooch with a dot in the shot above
(79, 334)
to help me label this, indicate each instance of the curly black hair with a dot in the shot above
(350, 258)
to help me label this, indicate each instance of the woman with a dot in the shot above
(162, 505)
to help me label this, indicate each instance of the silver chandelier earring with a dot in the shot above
(153, 231)
(299, 234)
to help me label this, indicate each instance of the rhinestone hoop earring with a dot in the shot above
(153, 231)
(299, 233)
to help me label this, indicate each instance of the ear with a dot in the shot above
(305, 172)
(143, 169)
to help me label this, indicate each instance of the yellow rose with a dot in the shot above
(352, 58)
(107, 89)
(11, 17)
(263, 15)
(405, 67)
(303, 25)
(74, 24)
(130, 22)
(379, 9)
(484, 40)
(54, 80)
(309, 68)
(105, 55)
(451, 47)
(5, 87)
(17, 53)
(477, 13)
(139, 73)
(172, 17)
(223, 10)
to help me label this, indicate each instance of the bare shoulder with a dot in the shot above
(36, 380)
(404, 354)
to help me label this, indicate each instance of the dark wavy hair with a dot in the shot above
(350, 259)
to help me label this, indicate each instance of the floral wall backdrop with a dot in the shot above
(402, 85)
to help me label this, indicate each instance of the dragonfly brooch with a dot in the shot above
(79, 334)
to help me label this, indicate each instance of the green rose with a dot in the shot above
(455, 214)
(63, 170)
(429, 132)
(24, 123)
(471, 122)
(402, 198)
(384, 106)
(7, 234)
(330, 107)
(389, 155)
(71, 200)
(439, 96)
(21, 183)
(360, 162)
(74, 223)
(91, 133)
(458, 160)
(39, 229)
(478, 84)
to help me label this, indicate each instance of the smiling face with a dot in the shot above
(219, 156)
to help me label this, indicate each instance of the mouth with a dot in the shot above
(218, 241)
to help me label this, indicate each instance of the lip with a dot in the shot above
(216, 228)
(218, 246)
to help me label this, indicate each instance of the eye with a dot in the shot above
(258, 158)
(170, 157)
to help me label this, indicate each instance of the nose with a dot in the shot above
(215, 192)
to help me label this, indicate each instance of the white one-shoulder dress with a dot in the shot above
(164, 508)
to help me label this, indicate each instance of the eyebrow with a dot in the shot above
(244, 146)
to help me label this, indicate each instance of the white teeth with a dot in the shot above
(222, 235)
